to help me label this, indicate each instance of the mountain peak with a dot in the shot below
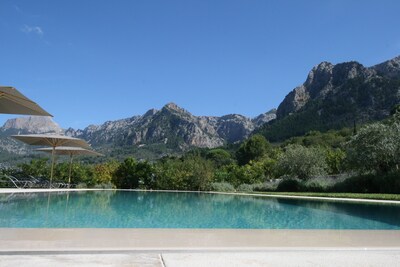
(33, 124)
(323, 65)
(389, 68)
(150, 112)
(265, 117)
(174, 107)
(320, 73)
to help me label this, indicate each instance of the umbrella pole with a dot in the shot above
(52, 164)
(70, 170)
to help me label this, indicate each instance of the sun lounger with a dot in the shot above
(17, 182)
(32, 182)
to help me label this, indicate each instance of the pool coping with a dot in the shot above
(42, 190)
(97, 240)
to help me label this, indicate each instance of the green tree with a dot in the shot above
(189, 173)
(170, 175)
(36, 168)
(376, 147)
(220, 157)
(256, 171)
(126, 176)
(145, 173)
(253, 148)
(335, 158)
(103, 173)
(81, 173)
(302, 162)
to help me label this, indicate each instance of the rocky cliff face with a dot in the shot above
(33, 124)
(323, 80)
(25, 125)
(172, 126)
(264, 118)
(335, 96)
(389, 69)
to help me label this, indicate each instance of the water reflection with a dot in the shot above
(122, 209)
(387, 213)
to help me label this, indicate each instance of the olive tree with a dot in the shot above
(302, 162)
(376, 147)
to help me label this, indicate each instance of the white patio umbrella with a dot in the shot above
(71, 152)
(52, 141)
(13, 102)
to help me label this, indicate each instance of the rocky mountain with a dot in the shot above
(332, 97)
(336, 96)
(264, 118)
(171, 127)
(25, 125)
(32, 124)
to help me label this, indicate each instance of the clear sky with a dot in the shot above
(89, 61)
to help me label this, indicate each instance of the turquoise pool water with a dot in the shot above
(125, 209)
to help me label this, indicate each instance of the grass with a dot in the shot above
(338, 195)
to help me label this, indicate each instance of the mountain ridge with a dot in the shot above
(171, 126)
(335, 96)
(332, 96)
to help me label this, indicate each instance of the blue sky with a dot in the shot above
(90, 61)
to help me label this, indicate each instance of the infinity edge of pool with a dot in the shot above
(43, 190)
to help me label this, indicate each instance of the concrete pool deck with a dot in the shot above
(197, 248)
(30, 240)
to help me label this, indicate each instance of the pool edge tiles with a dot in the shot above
(69, 240)
(44, 190)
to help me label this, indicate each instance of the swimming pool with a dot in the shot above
(139, 209)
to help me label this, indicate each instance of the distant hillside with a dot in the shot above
(337, 96)
(153, 134)
(174, 127)
(24, 125)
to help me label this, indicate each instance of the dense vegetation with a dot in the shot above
(365, 160)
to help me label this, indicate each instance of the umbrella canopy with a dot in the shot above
(13, 102)
(52, 141)
(71, 152)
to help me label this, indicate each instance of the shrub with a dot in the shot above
(267, 186)
(190, 173)
(289, 185)
(318, 184)
(81, 186)
(246, 188)
(222, 187)
(105, 186)
(370, 183)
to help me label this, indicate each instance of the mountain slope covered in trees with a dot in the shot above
(337, 96)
